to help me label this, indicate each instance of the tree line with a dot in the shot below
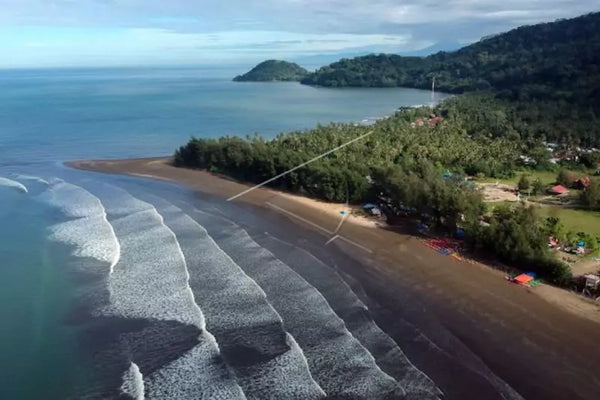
(417, 168)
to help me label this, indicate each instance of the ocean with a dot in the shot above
(128, 288)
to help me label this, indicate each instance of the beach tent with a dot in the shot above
(523, 279)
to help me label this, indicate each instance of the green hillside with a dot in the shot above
(273, 70)
(546, 77)
(517, 91)
(561, 54)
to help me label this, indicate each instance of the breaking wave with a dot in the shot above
(267, 360)
(133, 382)
(32, 178)
(354, 312)
(152, 282)
(89, 232)
(340, 364)
(13, 184)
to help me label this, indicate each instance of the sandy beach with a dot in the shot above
(542, 341)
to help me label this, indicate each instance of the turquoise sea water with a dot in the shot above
(70, 326)
(66, 114)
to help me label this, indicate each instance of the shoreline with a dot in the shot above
(550, 334)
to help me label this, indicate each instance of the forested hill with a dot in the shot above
(545, 78)
(273, 70)
(537, 59)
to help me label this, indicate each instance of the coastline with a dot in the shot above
(544, 346)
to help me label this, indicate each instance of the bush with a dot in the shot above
(566, 178)
(590, 197)
(538, 187)
(524, 183)
(519, 237)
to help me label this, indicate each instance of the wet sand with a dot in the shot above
(543, 341)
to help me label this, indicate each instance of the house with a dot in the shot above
(432, 122)
(435, 120)
(582, 183)
(558, 190)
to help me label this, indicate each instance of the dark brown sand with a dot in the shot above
(544, 342)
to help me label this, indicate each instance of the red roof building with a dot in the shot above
(559, 189)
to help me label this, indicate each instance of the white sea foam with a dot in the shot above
(194, 376)
(13, 184)
(339, 363)
(240, 315)
(89, 231)
(91, 236)
(73, 200)
(32, 178)
(152, 282)
(347, 304)
(133, 382)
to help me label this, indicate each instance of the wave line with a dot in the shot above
(13, 184)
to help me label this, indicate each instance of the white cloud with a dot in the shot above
(193, 30)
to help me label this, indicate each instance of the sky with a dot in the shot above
(71, 33)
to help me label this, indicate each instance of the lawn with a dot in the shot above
(547, 177)
(573, 219)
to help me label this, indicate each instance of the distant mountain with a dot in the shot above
(562, 55)
(318, 60)
(542, 81)
(273, 70)
(445, 45)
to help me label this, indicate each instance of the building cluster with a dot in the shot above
(432, 121)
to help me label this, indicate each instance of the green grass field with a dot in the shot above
(574, 220)
(547, 177)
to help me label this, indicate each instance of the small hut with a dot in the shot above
(592, 282)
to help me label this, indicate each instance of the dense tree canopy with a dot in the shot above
(528, 86)
(590, 197)
(408, 166)
(518, 235)
(546, 76)
(273, 70)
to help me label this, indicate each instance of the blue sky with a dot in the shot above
(56, 33)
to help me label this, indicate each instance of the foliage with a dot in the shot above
(566, 178)
(575, 220)
(394, 141)
(525, 87)
(590, 160)
(517, 235)
(273, 70)
(422, 188)
(532, 61)
(538, 187)
(590, 197)
(524, 183)
(555, 228)
(545, 76)
(399, 163)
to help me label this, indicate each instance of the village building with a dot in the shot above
(558, 190)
